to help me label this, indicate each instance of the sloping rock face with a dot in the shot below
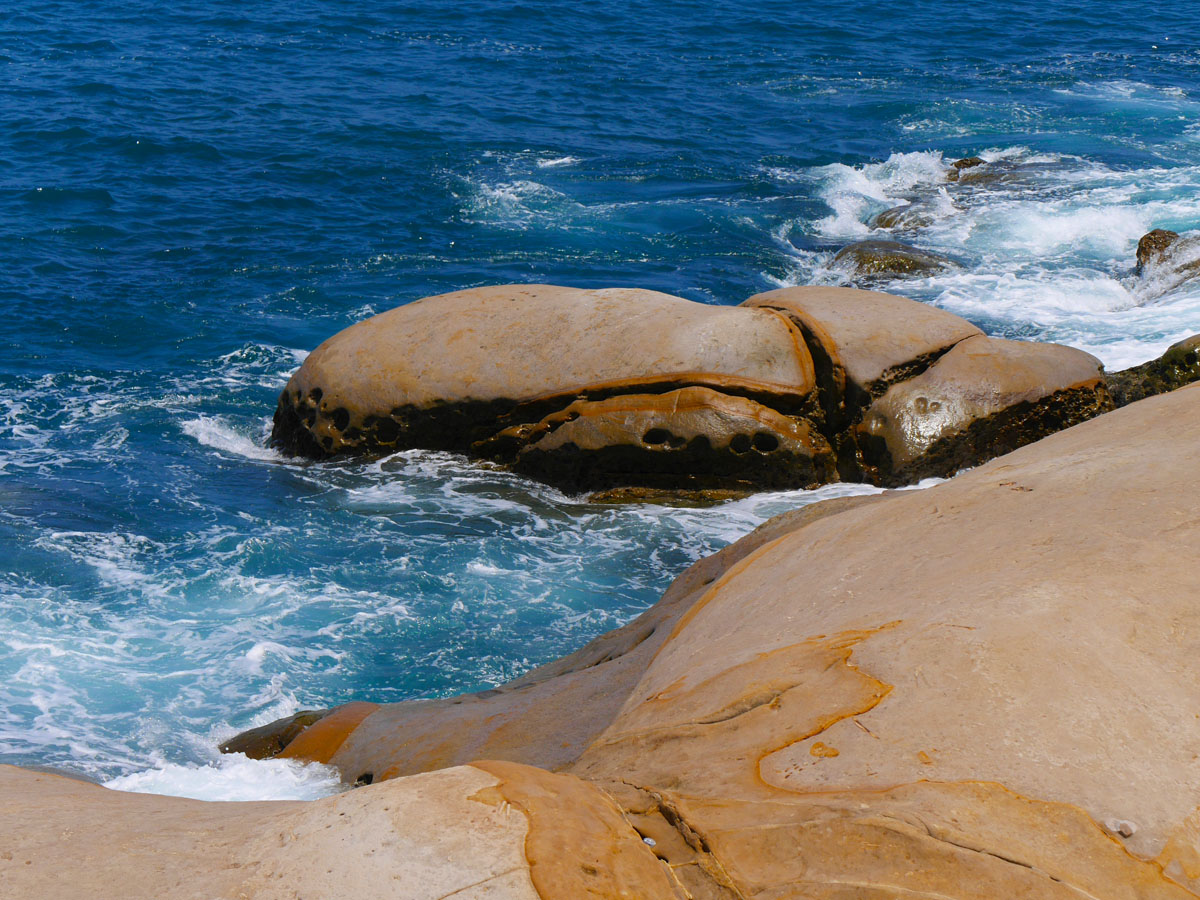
(978, 690)
(609, 389)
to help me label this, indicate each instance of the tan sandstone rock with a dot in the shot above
(618, 390)
(984, 689)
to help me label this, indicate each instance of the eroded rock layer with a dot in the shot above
(610, 389)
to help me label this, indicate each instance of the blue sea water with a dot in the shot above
(195, 196)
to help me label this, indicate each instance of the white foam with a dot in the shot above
(557, 161)
(212, 431)
(235, 777)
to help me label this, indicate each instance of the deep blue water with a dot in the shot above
(194, 196)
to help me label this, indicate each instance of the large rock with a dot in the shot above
(982, 398)
(978, 690)
(612, 390)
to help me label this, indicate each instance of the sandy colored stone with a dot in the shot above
(485, 350)
(1033, 620)
(420, 838)
(870, 336)
(985, 396)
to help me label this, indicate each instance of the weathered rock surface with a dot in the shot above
(1180, 365)
(978, 690)
(874, 260)
(615, 389)
(984, 395)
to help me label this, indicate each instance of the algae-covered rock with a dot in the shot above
(874, 260)
(1178, 366)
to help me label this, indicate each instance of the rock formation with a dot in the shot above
(874, 260)
(979, 690)
(607, 389)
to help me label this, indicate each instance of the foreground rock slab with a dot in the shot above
(979, 690)
(605, 390)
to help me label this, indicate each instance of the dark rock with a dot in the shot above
(908, 216)
(1153, 245)
(873, 260)
(967, 162)
(270, 740)
(1180, 365)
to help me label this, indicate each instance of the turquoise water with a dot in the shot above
(194, 199)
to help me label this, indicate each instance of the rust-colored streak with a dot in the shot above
(579, 845)
(321, 740)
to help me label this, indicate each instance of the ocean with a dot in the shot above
(194, 197)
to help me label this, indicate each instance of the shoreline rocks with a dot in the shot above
(610, 390)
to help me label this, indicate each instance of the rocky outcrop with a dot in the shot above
(970, 691)
(867, 261)
(1179, 366)
(607, 390)
(1165, 260)
(1153, 244)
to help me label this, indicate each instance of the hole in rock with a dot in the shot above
(740, 443)
(341, 418)
(316, 394)
(764, 442)
(364, 778)
(656, 436)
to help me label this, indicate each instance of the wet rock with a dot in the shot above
(1180, 365)
(967, 162)
(907, 217)
(882, 260)
(615, 389)
(1165, 260)
(1152, 246)
(271, 739)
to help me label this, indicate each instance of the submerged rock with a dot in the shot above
(908, 216)
(970, 691)
(607, 390)
(872, 260)
(1178, 366)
